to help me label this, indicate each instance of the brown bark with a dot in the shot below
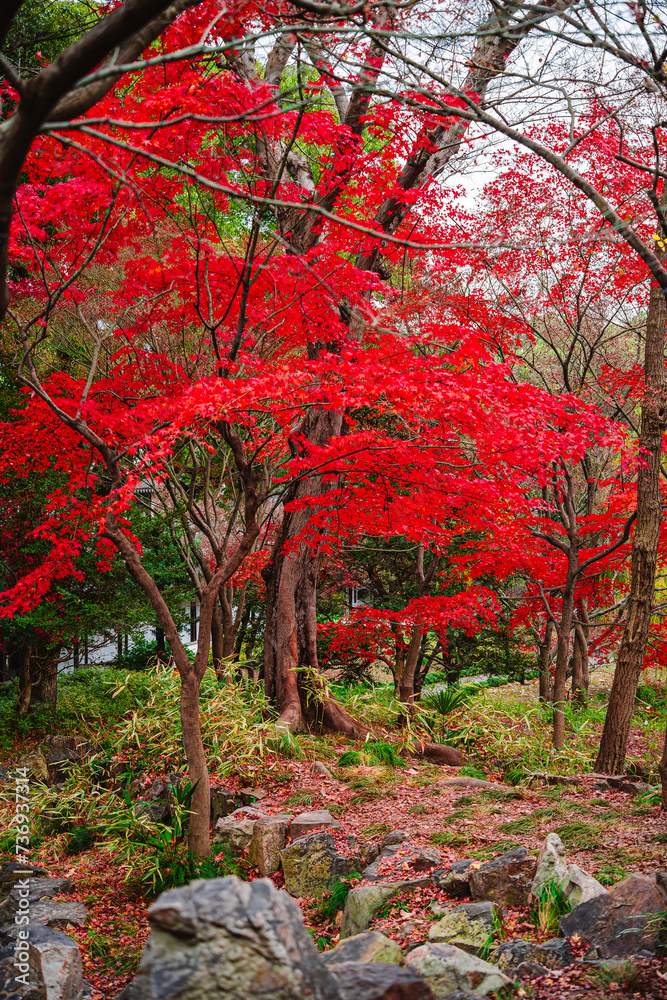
(25, 682)
(580, 671)
(563, 651)
(545, 691)
(45, 684)
(217, 651)
(630, 657)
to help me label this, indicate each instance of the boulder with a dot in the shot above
(425, 860)
(225, 937)
(234, 832)
(223, 803)
(368, 853)
(373, 873)
(551, 865)
(370, 946)
(269, 837)
(311, 865)
(36, 765)
(394, 837)
(50, 914)
(24, 897)
(623, 783)
(307, 822)
(621, 922)
(363, 903)
(455, 880)
(321, 770)
(553, 954)
(55, 964)
(469, 926)
(446, 968)
(12, 871)
(506, 879)
(251, 795)
(379, 981)
(580, 886)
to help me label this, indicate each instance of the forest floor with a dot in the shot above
(503, 731)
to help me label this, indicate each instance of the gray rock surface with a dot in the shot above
(311, 865)
(506, 879)
(227, 938)
(370, 946)
(55, 964)
(234, 832)
(380, 981)
(223, 803)
(455, 880)
(447, 968)
(50, 914)
(12, 871)
(269, 837)
(580, 886)
(39, 890)
(551, 866)
(553, 954)
(394, 837)
(307, 822)
(468, 926)
(321, 770)
(372, 873)
(623, 921)
(363, 903)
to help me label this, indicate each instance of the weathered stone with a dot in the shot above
(622, 921)
(465, 782)
(223, 803)
(370, 946)
(321, 769)
(36, 765)
(269, 837)
(311, 865)
(368, 854)
(55, 964)
(373, 872)
(307, 822)
(551, 865)
(225, 937)
(447, 968)
(506, 879)
(455, 880)
(235, 831)
(12, 871)
(252, 795)
(394, 837)
(379, 981)
(553, 954)
(627, 785)
(39, 889)
(50, 914)
(460, 995)
(363, 903)
(580, 886)
(468, 926)
(425, 860)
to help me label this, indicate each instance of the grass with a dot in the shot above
(580, 835)
(451, 838)
(375, 830)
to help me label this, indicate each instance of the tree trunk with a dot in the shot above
(199, 834)
(546, 691)
(563, 653)
(630, 658)
(25, 682)
(291, 674)
(46, 688)
(580, 669)
(217, 651)
(407, 686)
(400, 653)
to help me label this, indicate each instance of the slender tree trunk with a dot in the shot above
(546, 691)
(25, 682)
(400, 654)
(217, 649)
(563, 652)
(199, 834)
(46, 689)
(407, 686)
(630, 658)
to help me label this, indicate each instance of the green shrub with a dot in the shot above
(81, 839)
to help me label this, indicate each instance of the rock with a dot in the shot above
(446, 968)
(468, 926)
(6, 776)
(551, 865)
(455, 880)
(379, 981)
(307, 822)
(368, 947)
(12, 871)
(372, 873)
(311, 865)
(580, 886)
(235, 831)
(225, 937)
(252, 795)
(460, 995)
(55, 963)
(363, 903)
(506, 879)
(223, 803)
(269, 837)
(438, 753)
(50, 914)
(622, 783)
(322, 769)
(553, 954)
(622, 921)
(23, 897)
(368, 853)
(394, 837)
(36, 765)
(425, 859)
